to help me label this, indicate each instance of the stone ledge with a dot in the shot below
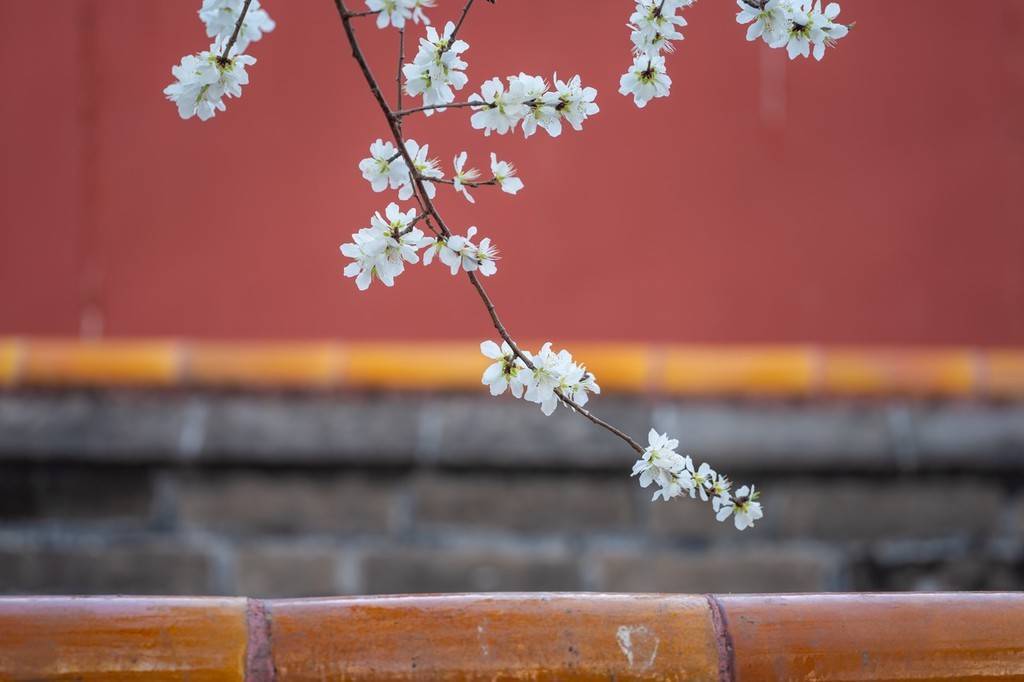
(406, 430)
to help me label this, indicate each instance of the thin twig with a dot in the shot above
(400, 76)
(396, 132)
(234, 34)
(430, 211)
(503, 333)
(408, 228)
(462, 18)
(466, 183)
(451, 105)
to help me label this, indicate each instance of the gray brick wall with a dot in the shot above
(313, 494)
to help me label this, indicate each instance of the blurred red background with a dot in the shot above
(871, 198)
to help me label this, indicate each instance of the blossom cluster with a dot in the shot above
(675, 475)
(204, 79)
(386, 168)
(437, 70)
(503, 174)
(397, 12)
(796, 25)
(529, 101)
(381, 250)
(653, 25)
(548, 378)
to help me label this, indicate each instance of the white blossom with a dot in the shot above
(801, 31)
(699, 480)
(391, 12)
(221, 16)
(418, 15)
(367, 252)
(463, 176)
(577, 384)
(424, 166)
(660, 464)
(437, 69)
(402, 240)
(505, 175)
(545, 377)
(461, 253)
(831, 31)
(770, 23)
(801, 26)
(528, 101)
(541, 105)
(646, 79)
(458, 252)
(204, 80)
(652, 17)
(654, 24)
(744, 508)
(485, 257)
(503, 111)
(384, 168)
(554, 376)
(576, 103)
(504, 372)
(719, 490)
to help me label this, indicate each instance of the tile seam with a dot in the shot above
(723, 640)
(259, 652)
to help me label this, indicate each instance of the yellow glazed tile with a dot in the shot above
(738, 370)
(101, 362)
(946, 372)
(262, 365)
(1004, 373)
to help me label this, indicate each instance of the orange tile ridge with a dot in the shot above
(537, 636)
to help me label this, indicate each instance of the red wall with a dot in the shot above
(872, 198)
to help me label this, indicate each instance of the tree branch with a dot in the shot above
(430, 211)
(400, 76)
(466, 183)
(450, 105)
(462, 18)
(234, 34)
(396, 132)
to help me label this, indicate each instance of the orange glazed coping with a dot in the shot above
(634, 368)
(954, 636)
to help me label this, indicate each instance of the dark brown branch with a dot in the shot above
(466, 183)
(430, 211)
(410, 226)
(450, 105)
(462, 18)
(400, 77)
(234, 34)
(396, 131)
(503, 333)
